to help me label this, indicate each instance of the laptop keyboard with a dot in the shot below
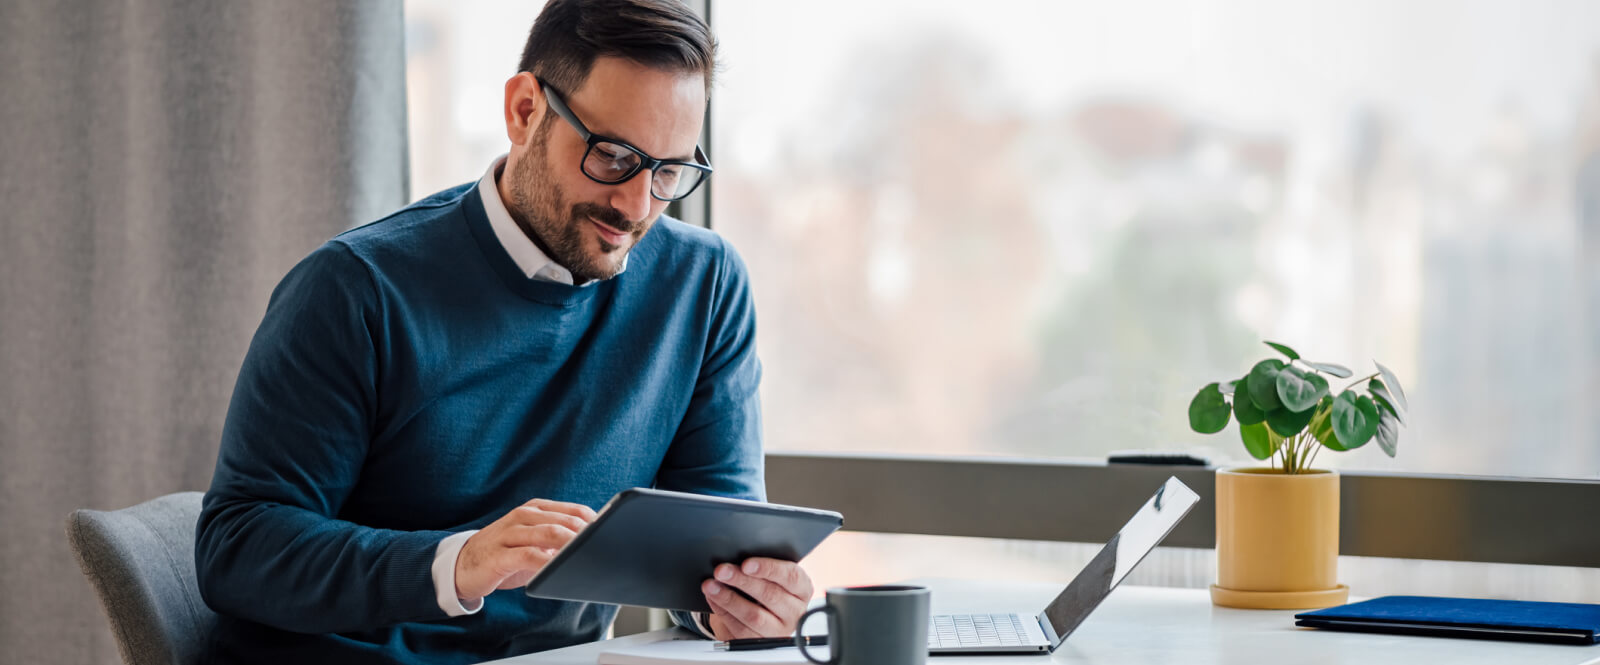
(972, 630)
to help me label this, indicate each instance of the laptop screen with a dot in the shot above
(1125, 550)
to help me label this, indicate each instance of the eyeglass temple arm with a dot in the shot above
(561, 109)
(560, 106)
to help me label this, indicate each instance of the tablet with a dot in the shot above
(653, 548)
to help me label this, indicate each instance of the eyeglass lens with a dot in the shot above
(609, 162)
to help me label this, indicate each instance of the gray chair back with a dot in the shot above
(141, 563)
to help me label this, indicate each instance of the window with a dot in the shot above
(1037, 228)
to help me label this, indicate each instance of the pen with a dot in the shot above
(754, 643)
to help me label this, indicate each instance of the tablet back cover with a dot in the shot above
(653, 548)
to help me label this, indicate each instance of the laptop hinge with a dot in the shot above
(1049, 632)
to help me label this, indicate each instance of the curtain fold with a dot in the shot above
(162, 164)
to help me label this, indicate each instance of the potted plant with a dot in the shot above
(1278, 525)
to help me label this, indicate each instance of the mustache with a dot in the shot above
(605, 215)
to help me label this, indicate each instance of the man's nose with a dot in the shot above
(632, 198)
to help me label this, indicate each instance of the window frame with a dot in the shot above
(695, 209)
(1394, 515)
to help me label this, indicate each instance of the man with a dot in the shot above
(435, 403)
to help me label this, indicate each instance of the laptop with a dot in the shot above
(1026, 633)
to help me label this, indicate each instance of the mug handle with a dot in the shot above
(799, 638)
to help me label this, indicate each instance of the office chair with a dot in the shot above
(141, 563)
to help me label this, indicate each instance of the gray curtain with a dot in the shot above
(162, 164)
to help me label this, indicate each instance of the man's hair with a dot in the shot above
(663, 34)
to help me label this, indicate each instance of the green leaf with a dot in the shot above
(1385, 406)
(1393, 382)
(1246, 411)
(1388, 432)
(1355, 419)
(1324, 428)
(1257, 440)
(1368, 408)
(1385, 400)
(1229, 387)
(1300, 390)
(1336, 370)
(1289, 423)
(1208, 412)
(1262, 384)
(1283, 350)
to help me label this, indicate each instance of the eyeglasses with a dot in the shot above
(610, 162)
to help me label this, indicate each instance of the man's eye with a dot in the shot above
(613, 153)
(605, 162)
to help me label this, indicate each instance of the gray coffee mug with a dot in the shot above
(873, 625)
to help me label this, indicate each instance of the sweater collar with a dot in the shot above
(495, 252)
(531, 260)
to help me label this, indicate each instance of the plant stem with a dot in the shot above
(1306, 437)
(1293, 465)
(1369, 377)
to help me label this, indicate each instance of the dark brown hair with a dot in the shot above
(569, 34)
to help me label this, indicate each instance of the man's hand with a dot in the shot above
(510, 551)
(780, 589)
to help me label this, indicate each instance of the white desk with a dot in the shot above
(1139, 625)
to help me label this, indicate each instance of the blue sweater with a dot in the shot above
(408, 382)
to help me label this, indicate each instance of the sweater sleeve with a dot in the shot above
(717, 448)
(269, 547)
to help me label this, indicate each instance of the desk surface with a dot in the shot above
(1139, 625)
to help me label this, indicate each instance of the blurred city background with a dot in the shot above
(1035, 228)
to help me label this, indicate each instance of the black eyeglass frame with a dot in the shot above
(646, 162)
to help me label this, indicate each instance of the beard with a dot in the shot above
(562, 228)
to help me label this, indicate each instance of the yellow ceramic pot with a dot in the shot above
(1277, 540)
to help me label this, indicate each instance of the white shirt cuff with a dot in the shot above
(444, 576)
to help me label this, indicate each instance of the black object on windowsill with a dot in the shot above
(1154, 458)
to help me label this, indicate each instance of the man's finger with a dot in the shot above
(548, 536)
(749, 613)
(786, 574)
(529, 515)
(534, 515)
(577, 510)
(732, 627)
(517, 560)
(784, 605)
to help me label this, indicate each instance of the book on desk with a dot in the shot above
(1517, 620)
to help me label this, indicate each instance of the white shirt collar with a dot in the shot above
(529, 258)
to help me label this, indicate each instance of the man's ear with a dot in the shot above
(524, 106)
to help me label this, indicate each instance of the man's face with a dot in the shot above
(586, 226)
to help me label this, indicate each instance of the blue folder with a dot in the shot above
(1520, 620)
